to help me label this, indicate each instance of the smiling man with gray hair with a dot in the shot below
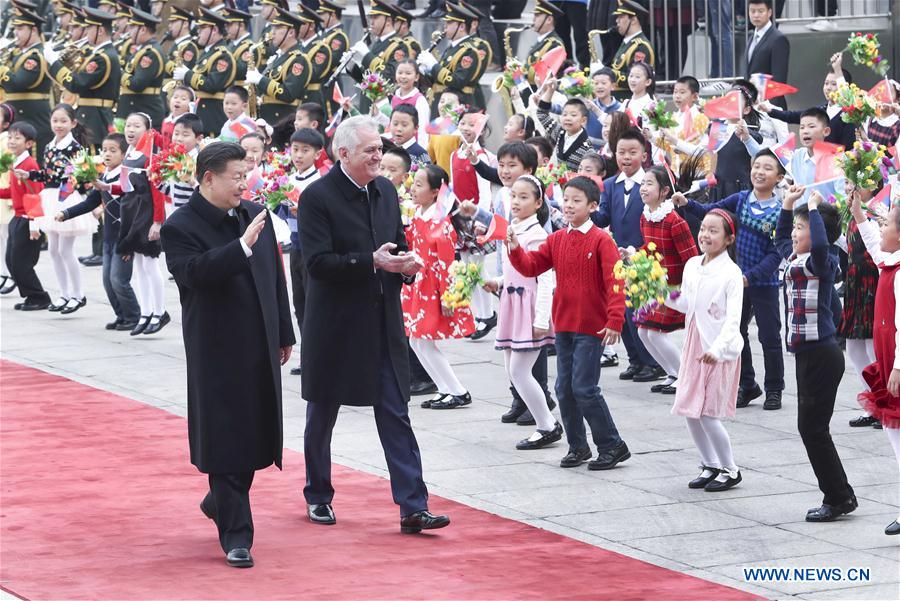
(353, 345)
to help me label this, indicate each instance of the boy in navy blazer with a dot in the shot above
(620, 209)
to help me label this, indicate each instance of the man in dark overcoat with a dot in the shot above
(353, 345)
(237, 328)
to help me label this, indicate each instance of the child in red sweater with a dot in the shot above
(588, 312)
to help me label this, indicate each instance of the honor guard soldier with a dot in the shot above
(214, 72)
(635, 47)
(144, 71)
(156, 7)
(336, 39)
(317, 53)
(385, 51)
(460, 64)
(184, 50)
(544, 24)
(402, 21)
(97, 80)
(283, 83)
(65, 11)
(267, 10)
(24, 79)
(121, 36)
(240, 43)
(485, 52)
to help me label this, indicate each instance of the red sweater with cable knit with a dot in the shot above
(584, 301)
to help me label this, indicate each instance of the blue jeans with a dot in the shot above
(117, 283)
(578, 392)
(721, 37)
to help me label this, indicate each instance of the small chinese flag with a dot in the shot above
(496, 230)
(774, 89)
(240, 129)
(881, 92)
(729, 106)
(145, 144)
(549, 63)
(785, 150)
(824, 154)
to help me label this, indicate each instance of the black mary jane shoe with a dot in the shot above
(297, 371)
(487, 325)
(8, 286)
(73, 305)
(321, 513)
(438, 397)
(453, 401)
(829, 513)
(892, 528)
(142, 324)
(547, 437)
(733, 478)
(863, 421)
(707, 475)
(239, 558)
(669, 389)
(157, 322)
(56, 308)
(422, 520)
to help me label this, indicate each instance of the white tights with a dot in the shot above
(862, 354)
(149, 280)
(65, 264)
(712, 441)
(518, 368)
(4, 240)
(661, 348)
(481, 299)
(437, 366)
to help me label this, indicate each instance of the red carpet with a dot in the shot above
(100, 501)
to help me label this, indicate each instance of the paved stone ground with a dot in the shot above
(642, 509)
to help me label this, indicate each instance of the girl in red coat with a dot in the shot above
(665, 232)
(882, 401)
(432, 237)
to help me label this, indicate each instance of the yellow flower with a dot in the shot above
(628, 304)
(616, 288)
(660, 300)
(651, 246)
(632, 273)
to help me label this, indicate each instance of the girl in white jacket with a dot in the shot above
(711, 297)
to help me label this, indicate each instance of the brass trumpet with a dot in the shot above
(596, 53)
(499, 84)
(253, 63)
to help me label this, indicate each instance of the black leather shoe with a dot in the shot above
(423, 520)
(609, 459)
(113, 324)
(126, 326)
(547, 437)
(629, 372)
(745, 396)
(609, 361)
(829, 513)
(440, 396)
(773, 401)
(892, 528)
(30, 305)
(669, 389)
(649, 374)
(515, 410)
(9, 285)
(321, 514)
(877, 425)
(57, 307)
(421, 388)
(157, 322)
(657, 387)
(239, 558)
(453, 401)
(575, 458)
(526, 419)
(706, 476)
(141, 325)
(73, 305)
(92, 261)
(207, 507)
(296, 371)
(717, 485)
(487, 325)
(863, 421)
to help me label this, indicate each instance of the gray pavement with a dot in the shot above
(642, 509)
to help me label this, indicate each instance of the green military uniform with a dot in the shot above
(318, 53)
(214, 71)
(460, 66)
(122, 40)
(338, 42)
(537, 52)
(267, 30)
(403, 16)
(285, 79)
(25, 83)
(634, 50)
(383, 55)
(97, 81)
(143, 77)
(242, 48)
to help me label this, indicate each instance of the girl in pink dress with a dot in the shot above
(711, 297)
(432, 237)
(524, 326)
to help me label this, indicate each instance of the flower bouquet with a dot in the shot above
(6, 162)
(646, 281)
(465, 278)
(407, 206)
(576, 84)
(454, 112)
(842, 204)
(856, 105)
(865, 50)
(174, 164)
(513, 72)
(551, 175)
(866, 165)
(118, 126)
(374, 86)
(276, 189)
(84, 168)
(659, 117)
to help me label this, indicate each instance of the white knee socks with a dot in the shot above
(712, 441)
(149, 279)
(518, 368)
(437, 366)
(862, 354)
(65, 265)
(661, 348)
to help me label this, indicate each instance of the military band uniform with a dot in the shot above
(214, 72)
(283, 84)
(485, 56)
(383, 55)
(337, 41)
(320, 59)
(27, 89)
(142, 84)
(457, 70)
(537, 51)
(633, 50)
(243, 52)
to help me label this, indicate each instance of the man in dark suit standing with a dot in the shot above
(353, 345)
(768, 50)
(235, 315)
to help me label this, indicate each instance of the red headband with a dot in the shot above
(724, 216)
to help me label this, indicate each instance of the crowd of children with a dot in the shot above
(578, 185)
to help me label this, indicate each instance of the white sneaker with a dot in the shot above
(822, 25)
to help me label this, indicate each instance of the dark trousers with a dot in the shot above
(22, 254)
(117, 283)
(97, 241)
(761, 302)
(819, 373)
(298, 285)
(638, 355)
(228, 501)
(574, 19)
(401, 451)
(578, 359)
(539, 371)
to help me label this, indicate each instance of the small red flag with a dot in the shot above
(774, 89)
(496, 230)
(824, 154)
(145, 144)
(785, 150)
(881, 92)
(240, 129)
(549, 63)
(729, 106)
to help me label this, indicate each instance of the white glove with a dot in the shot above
(50, 55)
(427, 60)
(253, 76)
(180, 72)
(360, 48)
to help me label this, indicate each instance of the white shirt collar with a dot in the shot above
(632, 36)
(25, 154)
(427, 213)
(544, 36)
(893, 258)
(242, 38)
(583, 228)
(637, 178)
(106, 43)
(62, 143)
(386, 36)
(402, 96)
(456, 43)
(242, 117)
(350, 178)
(181, 39)
(521, 226)
(761, 32)
(408, 143)
(660, 212)
(112, 173)
(308, 173)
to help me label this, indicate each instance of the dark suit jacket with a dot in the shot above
(771, 56)
(235, 317)
(350, 307)
(624, 221)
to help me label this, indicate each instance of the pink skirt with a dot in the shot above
(514, 323)
(703, 389)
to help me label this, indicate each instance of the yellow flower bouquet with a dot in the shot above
(646, 281)
(464, 278)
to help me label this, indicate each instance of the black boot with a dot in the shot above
(516, 409)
